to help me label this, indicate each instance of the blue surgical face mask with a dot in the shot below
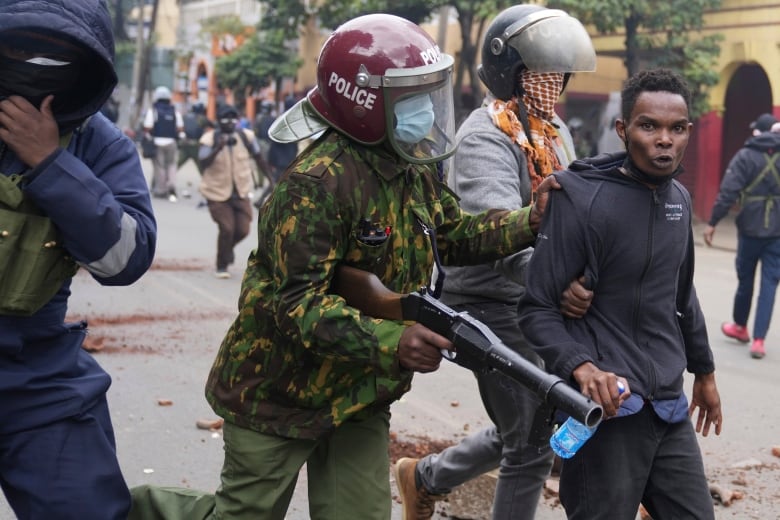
(414, 118)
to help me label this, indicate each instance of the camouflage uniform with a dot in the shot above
(298, 362)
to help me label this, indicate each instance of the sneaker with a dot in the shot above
(417, 502)
(222, 273)
(757, 349)
(738, 332)
(172, 198)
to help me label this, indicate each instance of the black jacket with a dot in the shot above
(759, 214)
(636, 246)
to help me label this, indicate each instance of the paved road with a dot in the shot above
(160, 335)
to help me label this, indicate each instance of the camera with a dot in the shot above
(229, 139)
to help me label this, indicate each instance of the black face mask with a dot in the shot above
(34, 82)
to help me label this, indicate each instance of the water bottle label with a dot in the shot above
(572, 435)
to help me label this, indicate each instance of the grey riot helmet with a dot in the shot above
(535, 38)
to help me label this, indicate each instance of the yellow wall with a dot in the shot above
(751, 31)
(167, 23)
(752, 35)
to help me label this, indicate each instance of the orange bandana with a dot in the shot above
(541, 91)
(538, 148)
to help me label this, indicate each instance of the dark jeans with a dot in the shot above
(749, 252)
(523, 468)
(233, 218)
(637, 458)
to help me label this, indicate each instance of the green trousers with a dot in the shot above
(348, 477)
(188, 149)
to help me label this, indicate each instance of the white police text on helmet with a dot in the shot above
(363, 97)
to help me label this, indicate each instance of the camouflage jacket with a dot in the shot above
(298, 361)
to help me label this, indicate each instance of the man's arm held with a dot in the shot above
(539, 203)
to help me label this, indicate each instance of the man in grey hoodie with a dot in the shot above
(505, 148)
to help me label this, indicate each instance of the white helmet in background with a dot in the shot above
(161, 93)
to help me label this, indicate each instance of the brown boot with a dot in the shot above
(418, 503)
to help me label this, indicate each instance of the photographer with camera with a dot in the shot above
(225, 157)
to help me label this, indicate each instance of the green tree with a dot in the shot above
(663, 34)
(263, 58)
(473, 16)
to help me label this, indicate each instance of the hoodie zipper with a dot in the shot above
(654, 204)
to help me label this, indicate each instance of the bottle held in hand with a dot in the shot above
(572, 434)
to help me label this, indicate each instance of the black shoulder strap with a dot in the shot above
(245, 140)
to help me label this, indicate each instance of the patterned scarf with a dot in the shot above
(541, 91)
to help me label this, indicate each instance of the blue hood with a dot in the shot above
(86, 22)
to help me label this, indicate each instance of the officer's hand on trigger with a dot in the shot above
(419, 348)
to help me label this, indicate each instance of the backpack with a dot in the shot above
(769, 199)
(192, 127)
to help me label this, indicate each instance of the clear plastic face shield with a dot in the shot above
(299, 122)
(549, 41)
(419, 111)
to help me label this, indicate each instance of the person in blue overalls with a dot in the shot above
(72, 196)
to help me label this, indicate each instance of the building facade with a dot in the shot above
(748, 67)
(749, 85)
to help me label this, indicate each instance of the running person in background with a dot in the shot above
(165, 125)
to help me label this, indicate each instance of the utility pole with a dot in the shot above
(444, 19)
(141, 63)
(136, 93)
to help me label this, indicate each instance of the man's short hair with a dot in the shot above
(653, 80)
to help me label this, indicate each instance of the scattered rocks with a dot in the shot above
(211, 425)
(724, 495)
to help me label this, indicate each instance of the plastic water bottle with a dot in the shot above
(572, 434)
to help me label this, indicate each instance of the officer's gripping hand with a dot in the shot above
(540, 201)
(419, 348)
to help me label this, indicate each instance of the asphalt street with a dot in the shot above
(158, 337)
